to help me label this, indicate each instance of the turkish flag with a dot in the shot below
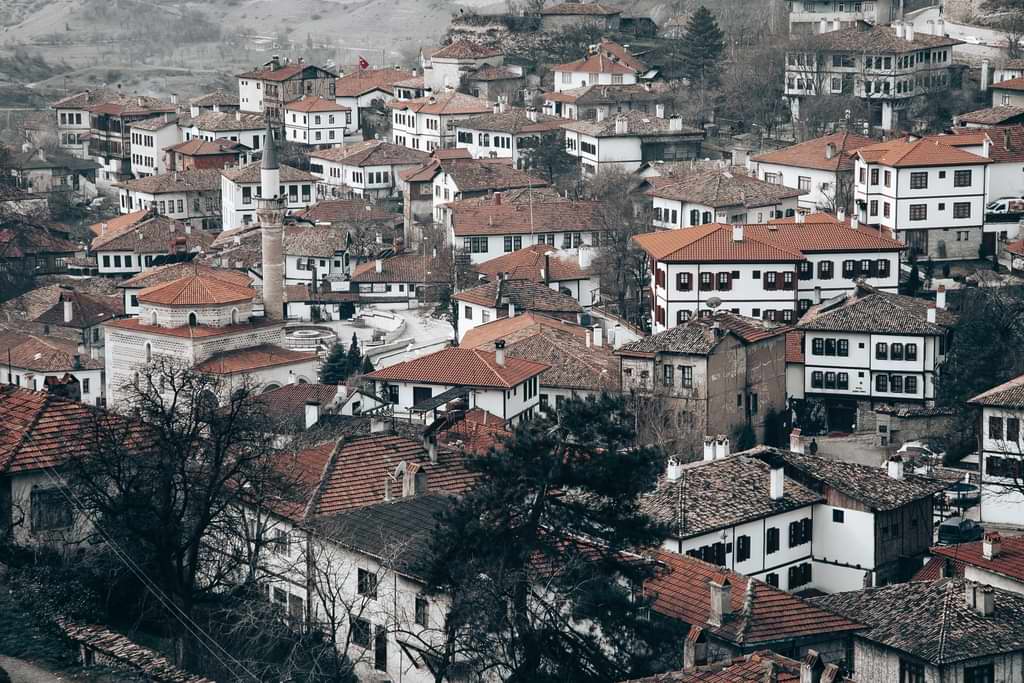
(363, 64)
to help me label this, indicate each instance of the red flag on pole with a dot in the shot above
(363, 64)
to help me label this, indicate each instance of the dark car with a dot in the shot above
(958, 530)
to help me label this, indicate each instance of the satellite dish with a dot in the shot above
(713, 303)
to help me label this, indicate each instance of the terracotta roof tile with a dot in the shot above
(1012, 84)
(371, 153)
(445, 104)
(253, 358)
(794, 347)
(571, 363)
(284, 72)
(189, 332)
(217, 97)
(367, 80)
(683, 592)
(191, 180)
(44, 354)
(758, 667)
(936, 568)
(1009, 562)
(993, 116)
(286, 405)
(250, 174)
(699, 337)
(523, 294)
(514, 121)
(84, 99)
(718, 189)
(86, 310)
(867, 309)
(521, 216)
(494, 73)
(154, 235)
(337, 211)
(638, 124)
(537, 263)
(155, 123)
(1009, 395)
(515, 329)
(409, 268)
(312, 103)
(815, 153)
(478, 175)
(198, 289)
(613, 93)
(175, 271)
(131, 105)
(221, 121)
(197, 147)
(459, 366)
(903, 153)
(314, 240)
(880, 39)
(118, 223)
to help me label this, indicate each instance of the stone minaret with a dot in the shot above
(270, 211)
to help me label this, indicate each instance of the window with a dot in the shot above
(788, 280)
(705, 282)
(799, 575)
(849, 268)
(843, 381)
(684, 282)
(50, 510)
(874, 176)
(843, 347)
(772, 540)
(919, 180)
(888, 178)
(838, 516)
(962, 178)
(513, 243)
(280, 543)
(366, 583)
(830, 380)
(817, 379)
(742, 548)
(896, 384)
(806, 270)
(667, 374)
(246, 195)
(772, 579)
(467, 313)
(725, 281)
(911, 672)
(771, 280)
(910, 384)
(910, 352)
(874, 207)
(803, 183)
(422, 608)
(881, 384)
(896, 351)
(686, 375)
(380, 649)
(885, 209)
(882, 351)
(817, 347)
(361, 632)
(85, 385)
(961, 209)
(475, 245)
(882, 267)
(1012, 428)
(825, 270)
(995, 428)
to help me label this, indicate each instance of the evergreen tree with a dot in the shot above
(367, 366)
(335, 369)
(557, 508)
(702, 49)
(355, 358)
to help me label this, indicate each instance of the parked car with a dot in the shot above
(1005, 205)
(959, 530)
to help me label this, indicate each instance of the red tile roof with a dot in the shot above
(1007, 395)
(198, 289)
(367, 80)
(371, 153)
(283, 73)
(814, 153)
(41, 431)
(477, 432)
(44, 354)
(581, 9)
(1012, 84)
(410, 268)
(903, 153)
(118, 223)
(197, 147)
(312, 103)
(516, 328)
(355, 471)
(176, 271)
(457, 366)
(543, 214)
(253, 358)
(524, 295)
(537, 263)
(348, 210)
(773, 243)
(937, 567)
(1016, 247)
(772, 616)
(444, 104)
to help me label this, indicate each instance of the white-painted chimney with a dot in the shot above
(675, 123)
(983, 84)
(908, 31)
(796, 441)
(817, 295)
(830, 150)
(992, 545)
(430, 446)
(584, 256)
(895, 467)
(69, 311)
(511, 310)
(799, 217)
(841, 215)
(721, 600)
(499, 352)
(811, 667)
(931, 313)
(823, 26)
(776, 480)
(674, 470)
(931, 26)
(854, 222)
(709, 448)
(898, 27)
(836, 24)
(598, 336)
(588, 338)
(721, 447)
(378, 266)
(312, 413)
(940, 27)
(659, 110)
(621, 125)
(737, 233)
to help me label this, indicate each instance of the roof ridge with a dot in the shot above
(501, 379)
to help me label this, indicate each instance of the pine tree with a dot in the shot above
(558, 507)
(367, 366)
(702, 49)
(335, 369)
(355, 358)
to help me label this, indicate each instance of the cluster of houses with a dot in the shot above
(773, 303)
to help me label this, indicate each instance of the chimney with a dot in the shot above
(103, 228)
(940, 297)
(617, 336)
(497, 199)
(991, 546)
(583, 256)
(841, 215)
(983, 85)
(985, 597)
(709, 448)
(69, 310)
(659, 110)
(312, 413)
(174, 98)
(675, 123)
(499, 352)
(531, 114)
(546, 270)
(76, 362)
(898, 26)
(817, 295)
(275, 62)
(830, 150)
(721, 447)
(598, 336)
(854, 222)
(292, 377)
(621, 125)
(587, 333)
(940, 27)
(193, 110)
(721, 600)
(796, 441)
(674, 471)
(776, 479)
(511, 310)
(895, 467)
(823, 26)
(737, 233)
(430, 446)
(799, 217)
(836, 24)
(908, 31)
(811, 667)
(378, 266)
(931, 313)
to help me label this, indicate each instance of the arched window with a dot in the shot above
(192, 319)
(149, 352)
(152, 318)
(270, 387)
(234, 316)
